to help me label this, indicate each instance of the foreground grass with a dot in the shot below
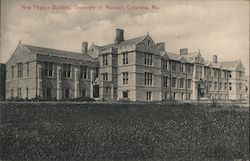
(56, 131)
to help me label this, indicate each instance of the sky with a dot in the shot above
(213, 27)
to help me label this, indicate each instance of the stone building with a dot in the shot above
(136, 69)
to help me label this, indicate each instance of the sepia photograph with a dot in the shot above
(132, 80)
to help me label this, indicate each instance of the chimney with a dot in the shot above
(161, 46)
(215, 59)
(119, 36)
(184, 51)
(84, 47)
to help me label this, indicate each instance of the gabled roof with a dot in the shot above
(230, 64)
(173, 56)
(125, 42)
(56, 52)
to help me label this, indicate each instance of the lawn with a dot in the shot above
(91, 131)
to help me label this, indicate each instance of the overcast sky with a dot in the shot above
(217, 27)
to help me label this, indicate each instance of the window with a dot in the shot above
(105, 76)
(48, 93)
(125, 78)
(148, 60)
(173, 64)
(27, 92)
(28, 68)
(66, 93)
(48, 69)
(230, 86)
(165, 64)
(83, 72)
(189, 83)
(174, 82)
(105, 59)
(181, 67)
(96, 72)
(66, 70)
(125, 58)
(19, 92)
(189, 68)
(12, 92)
(20, 70)
(148, 96)
(225, 86)
(148, 78)
(240, 86)
(240, 74)
(230, 75)
(220, 86)
(83, 92)
(165, 81)
(181, 83)
(166, 95)
(12, 72)
(215, 85)
(225, 74)
(125, 94)
(107, 90)
(210, 84)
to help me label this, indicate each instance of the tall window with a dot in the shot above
(220, 86)
(12, 72)
(181, 67)
(215, 85)
(225, 86)
(240, 74)
(27, 92)
(125, 78)
(125, 58)
(174, 82)
(66, 70)
(189, 68)
(148, 78)
(230, 86)
(148, 60)
(173, 65)
(240, 86)
(210, 84)
(165, 81)
(225, 74)
(215, 72)
(105, 76)
(189, 83)
(105, 59)
(182, 83)
(20, 70)
(83, 72)
(165, 64)
(148, 96)
(48, 69)
(19, 92)
(28, 68)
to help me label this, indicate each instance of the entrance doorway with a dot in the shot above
(96, 91)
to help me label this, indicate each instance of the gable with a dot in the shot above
(240, 66)
(21, 54)
(93, 51)
(147, 45)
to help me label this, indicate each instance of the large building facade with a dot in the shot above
(136, 69)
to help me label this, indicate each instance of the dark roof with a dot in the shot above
(56, 52)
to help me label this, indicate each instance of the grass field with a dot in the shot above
(78, 132)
